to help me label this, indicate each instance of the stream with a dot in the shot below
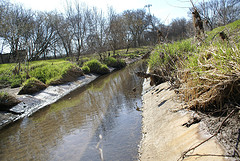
(99, 121)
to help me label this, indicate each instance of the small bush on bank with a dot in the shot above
(86, 69)
(94, 65)
(97, 67)
(103, 70)
(115, 63)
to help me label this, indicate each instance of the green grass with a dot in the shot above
(207, 74)
(231, 30)
(167, 54)
(44, 71)
(115, 63)
(85, 69)
(97, 67)
(30, 81)
(49, 71)
(133, 52)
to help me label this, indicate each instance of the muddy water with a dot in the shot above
(97, 122)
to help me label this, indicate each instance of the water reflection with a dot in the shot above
(101, 115)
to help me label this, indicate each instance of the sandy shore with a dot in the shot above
(164, 137)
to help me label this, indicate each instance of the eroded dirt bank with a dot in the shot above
(164, 137)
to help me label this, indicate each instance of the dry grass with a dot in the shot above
(206, 76)
(212, 80)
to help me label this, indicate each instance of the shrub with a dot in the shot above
(86, 69)
(103, 69)
(95, 66)
(110, 61)
(115, 63)
(121, 63)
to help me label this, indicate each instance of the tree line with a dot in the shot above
(84, 30)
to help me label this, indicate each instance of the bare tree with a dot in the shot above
(117, 31)
(64, 33)
(136, 22)
(219, 12)
(178, 29)
(43, 36)
(77, 16)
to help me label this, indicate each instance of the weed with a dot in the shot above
(97, 67)
(86, 69)
(207, 75)
(115, 63)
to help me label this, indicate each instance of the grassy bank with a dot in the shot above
(45, 71)
(206, 73)
(57, 71)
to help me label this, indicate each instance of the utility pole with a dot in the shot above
(148, 6)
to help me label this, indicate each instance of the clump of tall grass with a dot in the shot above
(166, 58)
(204, 76)
(212, 77)
(115, 63)
(31, 86)
(85, 69)
(97, 67)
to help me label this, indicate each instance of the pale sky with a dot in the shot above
(166, 10)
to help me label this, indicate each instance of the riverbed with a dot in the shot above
(99, 121)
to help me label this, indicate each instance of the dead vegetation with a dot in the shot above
(206, 77)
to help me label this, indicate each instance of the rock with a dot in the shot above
(193, 120)
(7, 102)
